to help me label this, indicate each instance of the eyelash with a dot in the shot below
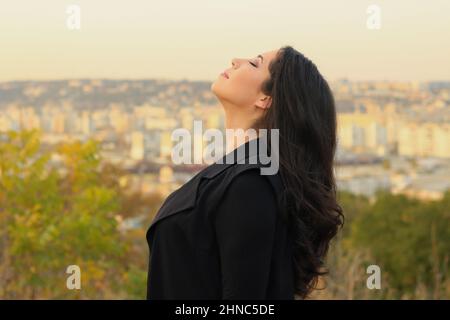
(253, 64)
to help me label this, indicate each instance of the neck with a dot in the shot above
(233, 122)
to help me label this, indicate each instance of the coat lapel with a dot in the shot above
(185, 197)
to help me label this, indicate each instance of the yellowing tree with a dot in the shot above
(55, 214)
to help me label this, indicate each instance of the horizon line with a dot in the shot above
(203, 80)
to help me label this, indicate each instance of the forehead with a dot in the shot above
(269, 55)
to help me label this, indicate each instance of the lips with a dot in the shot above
(225, 74)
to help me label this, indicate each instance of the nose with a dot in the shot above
(234, 62)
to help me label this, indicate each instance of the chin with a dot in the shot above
(215, 88)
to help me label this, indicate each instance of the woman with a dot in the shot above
(231, 232)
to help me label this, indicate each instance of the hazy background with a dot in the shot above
(196, 39)
(85, 161)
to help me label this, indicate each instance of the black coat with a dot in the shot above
(222, 235)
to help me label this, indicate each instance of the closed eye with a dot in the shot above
(253, 64)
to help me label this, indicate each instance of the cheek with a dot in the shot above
(243, 88)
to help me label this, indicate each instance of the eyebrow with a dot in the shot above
(262, 59)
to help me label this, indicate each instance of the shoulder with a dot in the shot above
(249, 189)
(247, 207)
(239, 182)
(249, 181)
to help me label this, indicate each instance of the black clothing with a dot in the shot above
(222, 235)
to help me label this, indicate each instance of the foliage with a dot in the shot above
(62, 206)
(55, 214)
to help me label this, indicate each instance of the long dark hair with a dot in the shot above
(303, 110)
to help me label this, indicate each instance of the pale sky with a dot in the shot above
(196, 39)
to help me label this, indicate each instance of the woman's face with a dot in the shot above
(240, 85)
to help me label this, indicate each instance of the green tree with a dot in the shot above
(409, 239)
(53, 216)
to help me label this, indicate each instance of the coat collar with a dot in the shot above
(186, 195)
(246, 153)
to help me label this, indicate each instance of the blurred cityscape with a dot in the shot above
(392, 135)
